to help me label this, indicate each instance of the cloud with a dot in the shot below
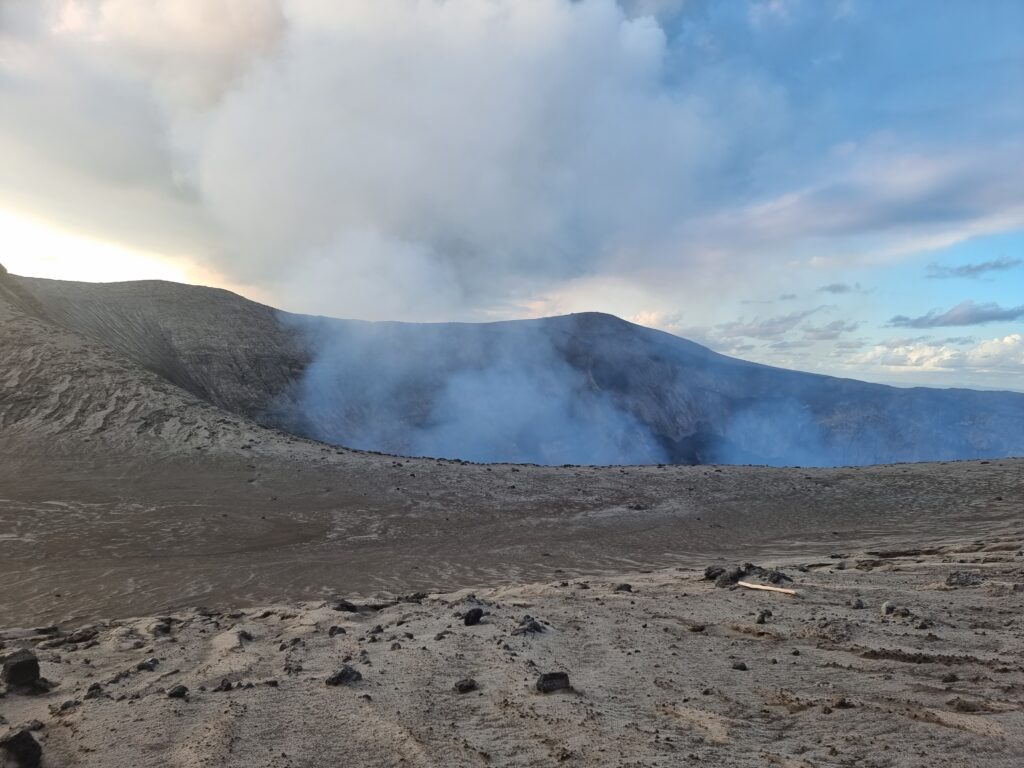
(999, 355)
(840, 288)
(430, 160)
(830, 331)
(764, 328)
(936, 271)
(964, 313)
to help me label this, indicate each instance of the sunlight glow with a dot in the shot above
(31, 248)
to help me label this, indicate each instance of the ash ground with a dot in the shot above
(910, 658)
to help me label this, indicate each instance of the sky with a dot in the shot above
(827, 185)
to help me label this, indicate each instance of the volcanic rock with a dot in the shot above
(21, 668)
(22, 748)
(473, 616)
(344, 676)
(553, 681)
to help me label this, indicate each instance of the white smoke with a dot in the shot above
(387, 158)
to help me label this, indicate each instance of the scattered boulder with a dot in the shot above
(148, 665)
(94, 691)
(857, 604)
(725, 577)
(465, 686)
(964, 579)
(763, 616)
(223, 686)
(23, 748)
(336, 630)
(739, 666)
(21, 668)
(344, 676)
(473, 616)
(623, 588)
(345, 606)
(178, 692)
(550, 682)
(528, 626)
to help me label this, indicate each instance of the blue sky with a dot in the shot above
(828, 185)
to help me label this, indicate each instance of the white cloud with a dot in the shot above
(998, 355)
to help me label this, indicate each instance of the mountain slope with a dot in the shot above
(586, 388)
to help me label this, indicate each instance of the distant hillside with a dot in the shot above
(586, 388)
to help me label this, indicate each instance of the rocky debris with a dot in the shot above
(336, 630)
(739, 666)
(762, 616)
(465, 686)
(178, 692)
(857, 604)
(345, 676)
(161, 626)
(728, 576)
(528, 626)
(889, 609)
(66, 706)
(964, 579)
(473, 616)
(623, 588)
(223, 686)
(22, 748)
(344, 606)
(21, 668)
(148, 665)
(549, 682)
(94, 691)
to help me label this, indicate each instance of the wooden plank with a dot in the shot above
(766, 588)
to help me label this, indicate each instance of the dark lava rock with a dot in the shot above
(224, 685)
(94, 692)
(763, 616)
(473, 616)
(345, 607)
(528, 626)
(727, 577)
(550, 682)
(624, 588)
(466, 686)
(23, 748)
(21, 668)
(739, 666)
(178, 692)
(858, 604)
(67, 706)
(344, 676)
(964, 579)
(148, 665)
(336, 630)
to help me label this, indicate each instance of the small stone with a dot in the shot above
(148, 665)
(224, 685)
(465, 686)
(739, 666)
(344, 676)
(528, 626)
(335, 630)
(887, 608)
(858, 604)
(21, 668)
(345, 607)
(178, 692)
(553, 681)
(94, 691)
(624, 588)
(762, 616)
(473, 616)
